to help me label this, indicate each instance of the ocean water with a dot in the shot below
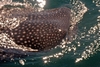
(84, 51)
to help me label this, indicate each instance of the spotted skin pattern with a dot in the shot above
(42, 30)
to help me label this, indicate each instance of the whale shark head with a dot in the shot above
(38, 31)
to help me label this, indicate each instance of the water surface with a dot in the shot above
(81, 52)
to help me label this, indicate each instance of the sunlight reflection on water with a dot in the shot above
(83, 39)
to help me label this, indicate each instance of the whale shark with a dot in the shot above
(36, 30)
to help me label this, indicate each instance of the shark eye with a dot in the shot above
(70, 25)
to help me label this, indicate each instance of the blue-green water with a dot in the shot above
(82, 52)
